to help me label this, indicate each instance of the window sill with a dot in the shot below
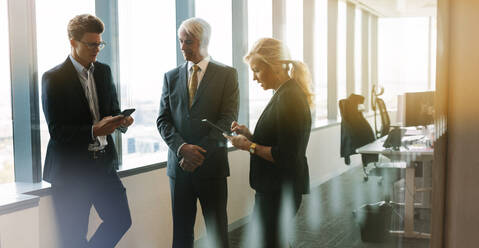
(324, 123)
(19, 195)
(127, 170)
(37, 189)
(13, 198)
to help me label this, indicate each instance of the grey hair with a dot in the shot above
(199, 29)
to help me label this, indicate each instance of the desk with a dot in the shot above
(409, 155)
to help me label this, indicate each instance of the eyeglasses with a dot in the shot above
(93, 45)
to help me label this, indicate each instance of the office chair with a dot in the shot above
(355, 131)
(377, 104)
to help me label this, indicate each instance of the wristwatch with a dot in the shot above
(252, 148)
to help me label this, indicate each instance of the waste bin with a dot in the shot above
(374, 221)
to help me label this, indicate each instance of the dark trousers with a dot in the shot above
(273, 214)
(73, 201)
(213, 194)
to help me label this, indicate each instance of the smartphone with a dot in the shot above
(219, 129)
(127, 112)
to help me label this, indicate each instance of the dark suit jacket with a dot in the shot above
(355, 129)
(285, 125)
(70, 121)
(216, 100)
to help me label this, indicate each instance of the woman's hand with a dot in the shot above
(241, 129)
(239, 141)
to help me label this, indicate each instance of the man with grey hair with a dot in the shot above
(197, 163)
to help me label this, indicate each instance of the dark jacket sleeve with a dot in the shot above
(55, 114)
(164, 122)
(291, 121)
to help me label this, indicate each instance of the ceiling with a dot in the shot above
(400, 8)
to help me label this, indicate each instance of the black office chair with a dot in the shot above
(378, 105)
(383, 168)
(355, 131)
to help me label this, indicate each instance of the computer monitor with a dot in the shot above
(419, 108)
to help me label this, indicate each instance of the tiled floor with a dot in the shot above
(325, 218)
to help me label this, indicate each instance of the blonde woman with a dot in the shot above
(278, 165)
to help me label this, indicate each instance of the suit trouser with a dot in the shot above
(73, 201)
(273, 214)
(213, 194)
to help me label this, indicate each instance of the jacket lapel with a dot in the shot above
(183, 84)
(207, 78)
(75, 82)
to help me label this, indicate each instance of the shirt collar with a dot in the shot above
(79, 67)
(202, 64)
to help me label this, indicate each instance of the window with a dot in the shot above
(341, 52)
(53, 45)
(403, 50)
(147, 51)
(6, 130)
(259, 12)
(321, 70)
(357, 51)
(433, 42)
(221, 43)
(294, 28)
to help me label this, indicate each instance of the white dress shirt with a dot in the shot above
(203, 64)
(88, 83)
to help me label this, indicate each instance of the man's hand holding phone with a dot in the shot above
(107, 125)
(127, 119)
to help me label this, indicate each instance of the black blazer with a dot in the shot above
(70, 121)
(216, 100)
(355, 129)
(285, 125)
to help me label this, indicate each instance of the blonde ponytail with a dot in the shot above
(300, 73)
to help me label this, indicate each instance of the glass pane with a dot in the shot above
(221, 42)
(259, 12)
(433, 43)
(358, 51)
(321, 79)
(403, 55)
(143, 61)
(294, 28)
(53, 45)
(6, 130)
(341, 50)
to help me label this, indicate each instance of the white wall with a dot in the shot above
(149, 195)
(20, 229)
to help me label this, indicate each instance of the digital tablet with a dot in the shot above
(219, 129)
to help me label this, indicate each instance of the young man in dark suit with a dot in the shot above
(197, 159)
(81, 109)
